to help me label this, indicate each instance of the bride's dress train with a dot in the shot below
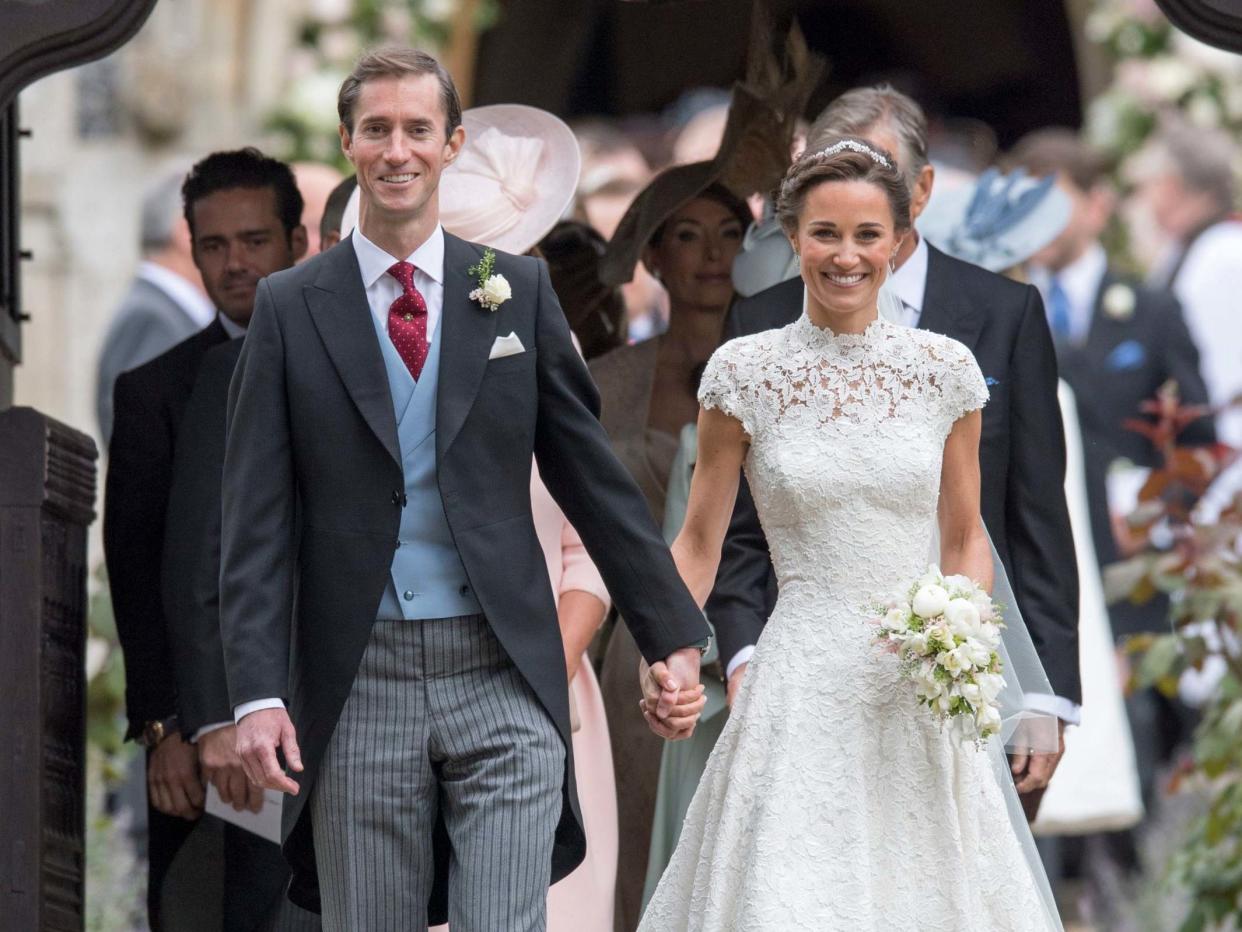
(832, 801)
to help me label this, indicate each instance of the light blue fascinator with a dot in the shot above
(998, 222)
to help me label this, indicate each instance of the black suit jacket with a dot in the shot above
(1021, 454)
(148, 404)
(311, 421)
(191, 565)
(1122, 363)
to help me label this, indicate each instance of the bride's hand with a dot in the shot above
(670, 709)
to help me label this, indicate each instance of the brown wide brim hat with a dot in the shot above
(753, 157)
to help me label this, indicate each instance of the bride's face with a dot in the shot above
(845, 239)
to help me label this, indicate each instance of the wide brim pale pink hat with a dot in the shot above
(515, 177)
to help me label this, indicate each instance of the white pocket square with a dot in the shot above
(506, 346)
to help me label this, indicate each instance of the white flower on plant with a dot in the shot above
(931, 578)
(963, 617)
(1203, 110)
(972, 693)
(1170, 77)
(989, 633)
(951, 660)
(930, 601)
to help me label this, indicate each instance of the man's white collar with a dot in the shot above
(374, 262)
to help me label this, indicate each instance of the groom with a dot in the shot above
(380, 572)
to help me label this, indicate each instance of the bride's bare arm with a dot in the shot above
(722, 447)
(963, 542)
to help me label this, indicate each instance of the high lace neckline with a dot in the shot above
(824, 338)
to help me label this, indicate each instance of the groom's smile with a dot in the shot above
(399, 145)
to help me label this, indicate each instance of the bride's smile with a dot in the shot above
(845, 239)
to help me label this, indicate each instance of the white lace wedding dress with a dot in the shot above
(832, 801)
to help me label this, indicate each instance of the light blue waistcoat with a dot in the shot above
(427, 579)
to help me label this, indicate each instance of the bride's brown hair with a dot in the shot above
(843, 158)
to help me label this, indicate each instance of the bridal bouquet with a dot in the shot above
(946, 632)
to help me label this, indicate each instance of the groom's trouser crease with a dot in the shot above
(438, 717)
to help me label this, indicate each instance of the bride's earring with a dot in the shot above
(892, 264)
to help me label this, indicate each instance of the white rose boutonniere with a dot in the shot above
(1118, 301)
(493, 289)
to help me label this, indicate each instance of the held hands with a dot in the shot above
(259, 735)
(172, 778)
(673, 698)
(217, 756)
(1032, 772)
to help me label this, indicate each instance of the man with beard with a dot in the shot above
(244, 211)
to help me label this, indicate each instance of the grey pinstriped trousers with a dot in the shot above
(438, 717)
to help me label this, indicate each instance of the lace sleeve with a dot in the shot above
(722, 388)
(965, 388)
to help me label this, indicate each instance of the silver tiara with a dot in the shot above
(853, 147)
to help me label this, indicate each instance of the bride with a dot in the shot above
(832, 800)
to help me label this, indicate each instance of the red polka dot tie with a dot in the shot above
(407, 321)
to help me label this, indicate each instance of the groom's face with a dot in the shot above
(398, 145)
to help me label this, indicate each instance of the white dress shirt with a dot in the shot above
(382, 290)
(1208, 285)
(909, 283)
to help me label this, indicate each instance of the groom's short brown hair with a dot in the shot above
(396, 62)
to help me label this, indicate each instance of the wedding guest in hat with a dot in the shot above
(686, 228)
(596, 312)
(515, 178)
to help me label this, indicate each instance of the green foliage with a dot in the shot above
(305, 122)
(1202, 574)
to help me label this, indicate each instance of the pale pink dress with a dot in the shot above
(583, 901)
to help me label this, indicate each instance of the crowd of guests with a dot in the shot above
(643, 262)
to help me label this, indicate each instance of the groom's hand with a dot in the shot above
(259, 735)
(1032, 772)
(673, 698)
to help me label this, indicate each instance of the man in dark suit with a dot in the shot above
(1117, 343)
(379, 565)
(1021, 451)
(244, 224)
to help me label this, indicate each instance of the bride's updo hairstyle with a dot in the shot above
(842, 158)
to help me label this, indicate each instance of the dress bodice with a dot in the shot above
(847, 435)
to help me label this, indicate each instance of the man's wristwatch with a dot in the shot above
(155, 731)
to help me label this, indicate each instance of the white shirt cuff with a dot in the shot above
(741, 657)
(1066, 711)
(207, 729)
(255, 705)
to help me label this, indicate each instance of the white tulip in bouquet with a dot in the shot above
(945, 630)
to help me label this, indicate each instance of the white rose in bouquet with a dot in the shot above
(963, 617)
(915, 644)
(972, 693)
(897, 619)
(980, 654)
(959, 582)
(988, 719)
(930, 601)
(990, 684)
